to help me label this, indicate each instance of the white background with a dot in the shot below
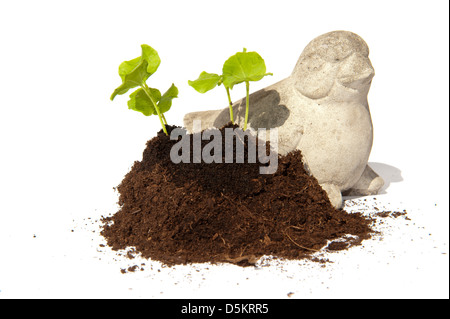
(64, 145)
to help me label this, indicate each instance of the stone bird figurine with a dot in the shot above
(320, 109)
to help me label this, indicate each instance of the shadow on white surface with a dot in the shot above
(390, 174)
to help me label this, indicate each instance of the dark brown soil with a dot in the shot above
(186, 213)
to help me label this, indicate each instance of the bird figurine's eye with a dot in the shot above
(336, 56)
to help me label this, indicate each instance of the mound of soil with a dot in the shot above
(219, 212)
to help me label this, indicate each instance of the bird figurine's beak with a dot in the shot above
(356, 72)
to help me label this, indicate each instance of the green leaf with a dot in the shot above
(205, 82)
(166, 100)
(151, 57)
(140, 101)
(128, 66)
(135, 72)
(243, 67)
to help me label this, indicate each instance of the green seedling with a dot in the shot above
(241, 67)
(148, 101)
(244, 67)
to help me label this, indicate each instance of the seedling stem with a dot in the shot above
(230, 104)
(147, 91)
(247, 100)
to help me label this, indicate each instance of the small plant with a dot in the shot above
(241, 67)
(148, 101)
